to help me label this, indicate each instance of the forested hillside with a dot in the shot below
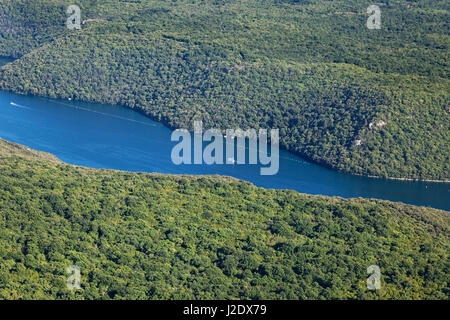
(144, 236)
(372, 102)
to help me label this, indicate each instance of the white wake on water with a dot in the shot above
(103, 113)
(18, 105)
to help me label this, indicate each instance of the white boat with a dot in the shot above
(230, 160)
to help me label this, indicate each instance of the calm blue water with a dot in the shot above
(105, 136)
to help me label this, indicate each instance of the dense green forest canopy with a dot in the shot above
(150, 236)
(372, 102)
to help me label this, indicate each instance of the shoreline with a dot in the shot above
(22, 151)
(401, 179)
(165, 122)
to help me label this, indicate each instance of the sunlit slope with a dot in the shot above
(143, 236)
(372, 102)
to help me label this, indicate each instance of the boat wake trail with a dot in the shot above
(104, 113)
(19, 105)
